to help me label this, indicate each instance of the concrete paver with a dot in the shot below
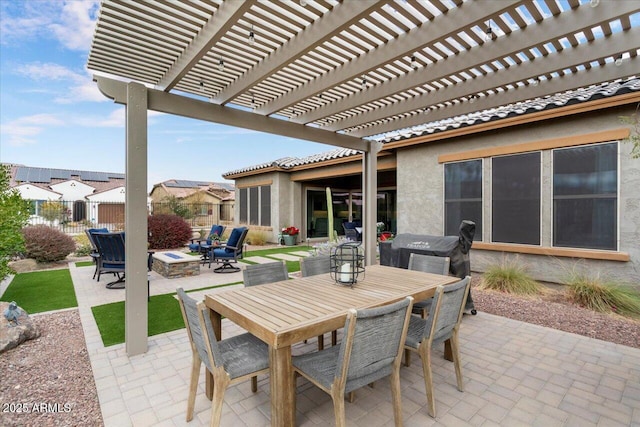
(515, 373)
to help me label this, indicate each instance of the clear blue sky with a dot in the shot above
(52, 114)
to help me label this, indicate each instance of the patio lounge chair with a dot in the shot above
(371, 350)
(95, 254)
(230, 360)
(202, 246)
(428, 264)
(111, 249)
(442, 324)
(229, 252)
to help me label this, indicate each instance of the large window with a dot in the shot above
(255, 205)
(463, 196)
(515, 188)
(585, 199)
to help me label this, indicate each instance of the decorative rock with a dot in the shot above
(12, 335)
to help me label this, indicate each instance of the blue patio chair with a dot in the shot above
(202, 246)
(371, 350)
(111, 249)
(95, 254)
(229, 252)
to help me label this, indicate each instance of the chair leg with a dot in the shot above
(396, 396)
(320, 342)
(334, 338)
(425, 356)
(254, 384)
(351, 396)
(338, 409)
(193, 385)
(455, 350)
(407, 357)
(219, 387)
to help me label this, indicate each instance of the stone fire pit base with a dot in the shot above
(176, 264)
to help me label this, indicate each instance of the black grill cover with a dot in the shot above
(396, 252)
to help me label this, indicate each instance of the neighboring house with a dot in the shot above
(208, 202)
(88, 196)
(549, 179)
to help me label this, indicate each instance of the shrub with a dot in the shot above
(511, 277)
(168, 231)
(83, 247)
(14, 214)
(257, 237)
(603, 296)
(46, 244)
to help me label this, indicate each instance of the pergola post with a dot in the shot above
(369, 193)
(136, 220)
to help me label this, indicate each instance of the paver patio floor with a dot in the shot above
(515, 374)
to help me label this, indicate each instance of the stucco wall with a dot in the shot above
(421, 180)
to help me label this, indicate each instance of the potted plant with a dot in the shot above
(289, 235)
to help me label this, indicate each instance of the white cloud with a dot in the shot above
(22, 131)
(71, 22)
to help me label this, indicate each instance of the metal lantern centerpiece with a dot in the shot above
(347, 263)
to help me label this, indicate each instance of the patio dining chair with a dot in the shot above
(428, 264)
(312, 266)
(260, 274)
(230, 252)
(230, 360)
(95, 254)
(442, 323)
(370, 350)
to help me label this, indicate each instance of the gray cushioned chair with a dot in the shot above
(260, 274)
(370, 350)
(441, 324)
(428, 264)
(230, 360)
(312, 266)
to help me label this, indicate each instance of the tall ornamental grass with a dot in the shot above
(603, 295)
(510, 276)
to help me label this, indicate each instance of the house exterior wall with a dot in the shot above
(73, 190)
(421, 193)
(32, 192)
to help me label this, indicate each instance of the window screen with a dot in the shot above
(515, 204)
(254, 206)
(463, 196)
(585, 202)
(244, 207)
(265, 205)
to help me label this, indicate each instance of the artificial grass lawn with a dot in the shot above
(40, 291)
(163, 316)
(85, 264)
(292, 266)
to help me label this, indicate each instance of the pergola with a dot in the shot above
(342, 73)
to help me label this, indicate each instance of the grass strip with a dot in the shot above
(85, 264)
(41, 291)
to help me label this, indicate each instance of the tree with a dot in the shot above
(14, 214)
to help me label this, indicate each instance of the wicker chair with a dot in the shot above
(371, 350)
(230, 360)
(312, 266)
(441, 324)
(260, 274)
(428, 264)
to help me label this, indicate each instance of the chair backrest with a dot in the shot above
(446, 310)
(313, 265)
(110, 247)
(259, 274)
(89, 232)
(429, 263)
(216, 229)
(236, 239)
(196, 328)
(373, 343)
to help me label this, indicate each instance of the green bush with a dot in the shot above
(14, 214)
(603, 296)
(46, 244)
(511, 277)
(83, 247)
(168, 231)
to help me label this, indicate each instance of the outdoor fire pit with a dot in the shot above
(175, 264)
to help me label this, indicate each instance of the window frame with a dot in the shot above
(478, 237)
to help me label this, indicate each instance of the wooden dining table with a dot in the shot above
(287, 312)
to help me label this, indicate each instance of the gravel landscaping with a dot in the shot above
(50, 378)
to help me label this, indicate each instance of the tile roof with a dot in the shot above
(591, 93)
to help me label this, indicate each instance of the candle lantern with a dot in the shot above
(347, 263)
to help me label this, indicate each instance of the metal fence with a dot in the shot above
(74, 217)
